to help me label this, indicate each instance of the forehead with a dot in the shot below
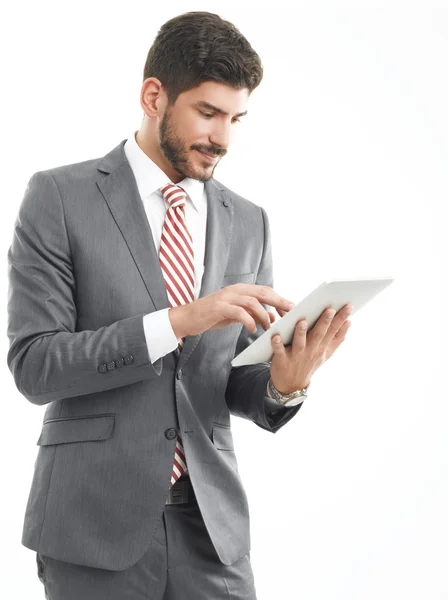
(220, 95)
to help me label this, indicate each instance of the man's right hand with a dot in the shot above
(239, 302)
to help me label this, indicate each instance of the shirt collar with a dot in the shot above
(150, 177)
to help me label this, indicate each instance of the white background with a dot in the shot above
(345, 146)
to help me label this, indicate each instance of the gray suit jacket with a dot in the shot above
(83, 270)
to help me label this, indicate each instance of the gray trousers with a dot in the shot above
(183, 566)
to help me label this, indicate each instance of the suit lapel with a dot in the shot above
(120, 191)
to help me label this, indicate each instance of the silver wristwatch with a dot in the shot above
(291, 399)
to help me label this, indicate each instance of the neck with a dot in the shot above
(147, 142)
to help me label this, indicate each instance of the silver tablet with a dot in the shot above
(329, 294)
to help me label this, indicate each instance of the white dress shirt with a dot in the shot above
(159, 334)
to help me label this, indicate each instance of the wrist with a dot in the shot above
(285, 392)
(177, 319)
(289, 399)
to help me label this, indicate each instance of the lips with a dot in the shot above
(209, 157)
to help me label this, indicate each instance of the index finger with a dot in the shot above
(267, 295)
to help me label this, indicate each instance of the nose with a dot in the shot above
(221, 135)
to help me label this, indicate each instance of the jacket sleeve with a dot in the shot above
(246, 392)
(48, 359)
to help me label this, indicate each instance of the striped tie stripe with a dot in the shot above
(176, 261)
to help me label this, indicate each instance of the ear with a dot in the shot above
(153, 98)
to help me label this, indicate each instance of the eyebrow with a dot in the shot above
(204, 104)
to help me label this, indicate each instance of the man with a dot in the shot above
(134, 280)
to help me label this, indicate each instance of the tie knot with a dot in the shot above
(174, 194)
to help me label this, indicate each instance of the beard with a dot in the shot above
(175, 150)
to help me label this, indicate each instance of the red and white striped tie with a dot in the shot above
(176, 260)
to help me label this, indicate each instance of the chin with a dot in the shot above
(200, 172)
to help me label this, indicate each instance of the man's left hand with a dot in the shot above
(292, 366)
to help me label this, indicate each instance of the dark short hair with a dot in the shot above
(200, 46)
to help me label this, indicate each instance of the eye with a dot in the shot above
(210, 115)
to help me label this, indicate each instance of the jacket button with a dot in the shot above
(179, 374)
(128, 359)
(120, 362)
(102, 368)
(171, 433)
(111, 366)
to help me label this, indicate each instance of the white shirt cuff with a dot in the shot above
(159, 334)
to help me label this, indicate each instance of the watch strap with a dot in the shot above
(285, 399)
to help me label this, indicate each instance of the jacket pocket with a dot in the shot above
(76, 429)
(222, 437)
(230, 278)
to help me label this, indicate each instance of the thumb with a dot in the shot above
(277, 345)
